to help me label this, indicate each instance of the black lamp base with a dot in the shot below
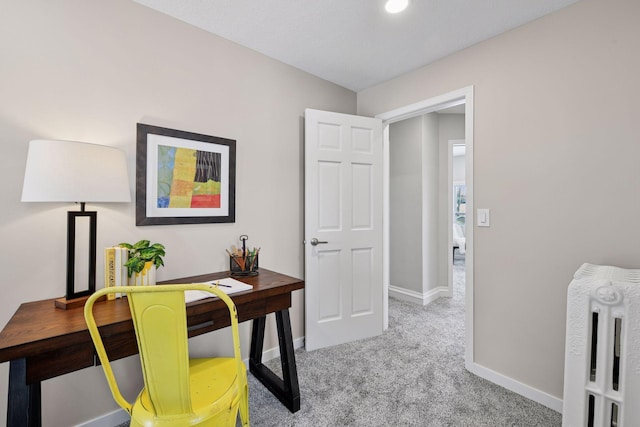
(75, 298)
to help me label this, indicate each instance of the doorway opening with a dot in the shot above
(456, 211)
(456, 98)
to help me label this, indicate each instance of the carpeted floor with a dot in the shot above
(412, 375)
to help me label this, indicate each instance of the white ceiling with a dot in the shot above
(355, 43)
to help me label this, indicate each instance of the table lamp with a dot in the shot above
(67, 171)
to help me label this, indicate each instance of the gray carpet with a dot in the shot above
(412, 375)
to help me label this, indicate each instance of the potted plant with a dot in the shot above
(142, 257)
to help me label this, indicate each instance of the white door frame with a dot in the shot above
(450, 99)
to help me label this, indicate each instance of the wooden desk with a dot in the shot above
(42, 342)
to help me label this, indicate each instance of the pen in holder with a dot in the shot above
(243, 262)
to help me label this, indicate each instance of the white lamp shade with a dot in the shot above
(66, 171)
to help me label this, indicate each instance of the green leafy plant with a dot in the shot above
(142, 252)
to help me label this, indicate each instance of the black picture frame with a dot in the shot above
(156, 203)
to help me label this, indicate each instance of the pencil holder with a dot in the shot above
(246, 265)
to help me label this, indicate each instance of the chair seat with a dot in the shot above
(207, 377)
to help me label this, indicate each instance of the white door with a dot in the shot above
(343, 228)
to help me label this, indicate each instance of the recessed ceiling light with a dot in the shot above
(396, 6)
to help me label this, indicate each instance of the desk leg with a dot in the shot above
(23, 403)
(287, 389)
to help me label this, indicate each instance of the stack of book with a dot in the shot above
(115, 272)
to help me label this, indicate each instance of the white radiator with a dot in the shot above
(602, 354)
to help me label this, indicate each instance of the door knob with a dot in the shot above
(315, 242)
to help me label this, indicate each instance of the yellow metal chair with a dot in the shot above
(178, 391)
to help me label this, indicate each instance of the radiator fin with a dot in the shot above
(602, 355)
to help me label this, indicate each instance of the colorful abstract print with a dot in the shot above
(188, 178)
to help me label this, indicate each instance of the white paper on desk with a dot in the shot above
(227, 285)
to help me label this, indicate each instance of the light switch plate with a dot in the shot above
(484, 217)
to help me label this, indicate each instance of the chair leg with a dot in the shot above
(244, 407)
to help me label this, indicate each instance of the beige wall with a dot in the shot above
(414, 169)
(430, 170)
(90, 70)
(405, 210)
(556, 149)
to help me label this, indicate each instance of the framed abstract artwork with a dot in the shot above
(184, 177)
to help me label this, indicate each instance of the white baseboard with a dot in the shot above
(417, 297)
(274, 352)
(108, 420)
(515, 386)
(120, 416)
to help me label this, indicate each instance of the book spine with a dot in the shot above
(110, 270)
(118, 269)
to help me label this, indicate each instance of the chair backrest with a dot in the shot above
(159, 317)
(161, 332)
